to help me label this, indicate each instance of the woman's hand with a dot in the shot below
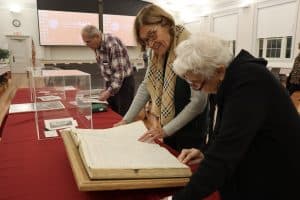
(120, 123)
(151, 135)
(190, 156)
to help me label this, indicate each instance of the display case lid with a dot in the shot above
(50, 73)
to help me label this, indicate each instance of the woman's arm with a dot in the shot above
(238, 127)
(197, 104)
(139, 101)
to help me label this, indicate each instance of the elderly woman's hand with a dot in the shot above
(120, 123)
(190, 156)
(151, 135)
(166, 198)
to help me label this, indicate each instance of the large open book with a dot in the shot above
(116, 153)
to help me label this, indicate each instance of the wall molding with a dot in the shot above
(18, 37)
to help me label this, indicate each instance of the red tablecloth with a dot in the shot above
(39, 169)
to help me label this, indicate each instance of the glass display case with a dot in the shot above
(29, 73)
(61, 101)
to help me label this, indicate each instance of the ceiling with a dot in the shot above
(189, 10)
(182, 10)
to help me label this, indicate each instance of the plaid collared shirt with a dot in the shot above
(113, 60)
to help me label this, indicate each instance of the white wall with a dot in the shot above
(246, 31)
(226, 25)
(203, 24)
(247, 26)
(29, 27)
(194, 27)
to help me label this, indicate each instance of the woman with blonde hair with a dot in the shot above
(182, 112)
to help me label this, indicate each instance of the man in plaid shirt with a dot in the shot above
(113, 61)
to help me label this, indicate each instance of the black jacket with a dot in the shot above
(255, 153)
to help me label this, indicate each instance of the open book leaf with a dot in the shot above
(116, 153)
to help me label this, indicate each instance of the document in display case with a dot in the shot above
(61, 88)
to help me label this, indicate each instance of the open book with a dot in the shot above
(116, 153)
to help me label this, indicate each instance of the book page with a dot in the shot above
(119, 148)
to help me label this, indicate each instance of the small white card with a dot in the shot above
(52, 133)
(49, 98)
(51, 105)
(94, 96)
(66, 88)
(43, 92)
(55, 124)
(90, 100)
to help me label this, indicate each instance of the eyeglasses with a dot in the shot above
(202, 84)
(151, 36)
(196, 83)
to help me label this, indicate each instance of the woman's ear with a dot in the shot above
(220, 71)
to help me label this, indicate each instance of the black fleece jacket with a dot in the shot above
(255, 152)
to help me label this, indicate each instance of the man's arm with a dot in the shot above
(119, 65)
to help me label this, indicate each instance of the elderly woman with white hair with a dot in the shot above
(255, 147)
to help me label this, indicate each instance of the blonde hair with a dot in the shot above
(152, 14)
(202, 54)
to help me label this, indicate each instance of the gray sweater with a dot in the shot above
(198, 101)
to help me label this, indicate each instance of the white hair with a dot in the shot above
(202, 53)
(90, 30)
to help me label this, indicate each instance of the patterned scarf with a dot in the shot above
(161, 80)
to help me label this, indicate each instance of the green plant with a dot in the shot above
(4, 53)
